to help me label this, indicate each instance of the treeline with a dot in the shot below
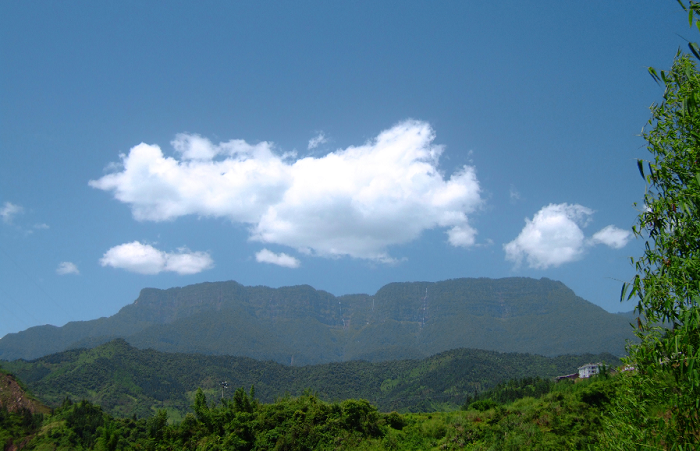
(125, 380)
(18, 424)
(241, 423)
(509, 391)
(568, 416)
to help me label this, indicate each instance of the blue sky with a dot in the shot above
(340, 145)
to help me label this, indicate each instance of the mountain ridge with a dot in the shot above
(302, 325)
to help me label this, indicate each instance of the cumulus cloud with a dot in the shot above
(352, 202)
(282, 259)
(65, 268)
(146, 259)
(554, 236)
(612, 236)
(9, 211)
(317, 140)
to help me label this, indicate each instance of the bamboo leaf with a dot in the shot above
(695, 49)
(654, 75)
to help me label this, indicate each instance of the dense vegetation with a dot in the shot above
(509, 391)
(17, 425)
(300, 325)
(567, 416)
(127, 381)
(657, 407)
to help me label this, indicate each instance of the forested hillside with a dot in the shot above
(127, 381)
(534, 415)
(300, 325)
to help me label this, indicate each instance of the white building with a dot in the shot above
(589, 369)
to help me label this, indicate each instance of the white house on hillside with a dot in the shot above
(589, 369)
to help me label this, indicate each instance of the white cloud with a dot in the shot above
(514, 194)
(612, 236)
(317, 140)
(554, 236)
(9, 211)
(355, 202)
(41, 226)
(461, 236)
(65, 268)
(282, 259)
(145, 259)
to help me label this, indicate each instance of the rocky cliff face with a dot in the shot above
(306, 326)
(14, 398)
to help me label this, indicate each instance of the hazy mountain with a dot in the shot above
(125, 380)
(301, 325)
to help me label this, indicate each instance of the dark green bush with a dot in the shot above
(483, 405)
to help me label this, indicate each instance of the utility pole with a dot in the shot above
(224, 385)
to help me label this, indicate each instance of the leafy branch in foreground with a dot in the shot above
(667, 284)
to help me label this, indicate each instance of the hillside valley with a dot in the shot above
(127, 381)
(300, 325)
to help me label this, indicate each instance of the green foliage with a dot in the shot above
(483, 404)
(241, 402)
(395, 420)
(559, 420)
(658, 405)
(20, 423)
(637, 413)
(157, 425)
(127, 381)
(84, 419)
(509, 391)
(569, 417)
(597, 393)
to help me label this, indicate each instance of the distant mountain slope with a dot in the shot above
(125, 380)
(300, 325)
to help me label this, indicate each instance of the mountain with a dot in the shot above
(125, 380)
(301, 325)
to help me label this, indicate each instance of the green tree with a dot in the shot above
(157, 425)
(201, 409)
(658, 405)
